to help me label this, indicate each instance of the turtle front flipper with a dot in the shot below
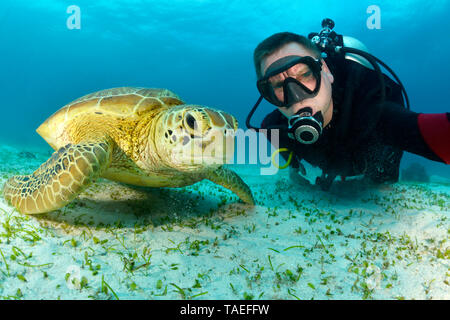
(60, 179)
(230, 180)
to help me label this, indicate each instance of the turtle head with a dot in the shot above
(192, 138)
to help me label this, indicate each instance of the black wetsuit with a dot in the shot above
(364, 136)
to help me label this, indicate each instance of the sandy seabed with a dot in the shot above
(200, 242)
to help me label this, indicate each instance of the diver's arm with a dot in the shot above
(427, 135)
(435, 130)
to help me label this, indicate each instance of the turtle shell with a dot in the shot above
(123, 102)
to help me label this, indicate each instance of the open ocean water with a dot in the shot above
(200, 242)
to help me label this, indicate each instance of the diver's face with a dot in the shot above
(322, 101)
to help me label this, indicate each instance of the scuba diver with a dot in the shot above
(335, 109)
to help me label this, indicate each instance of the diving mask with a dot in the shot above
(291, 79)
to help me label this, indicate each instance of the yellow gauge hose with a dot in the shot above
(288, 161)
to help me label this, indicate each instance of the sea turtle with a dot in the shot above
(138, 136)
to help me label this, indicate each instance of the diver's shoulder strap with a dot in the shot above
(272, 119)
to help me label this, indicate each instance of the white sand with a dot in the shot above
(354, 242)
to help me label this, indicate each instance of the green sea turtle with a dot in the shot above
(138, 136)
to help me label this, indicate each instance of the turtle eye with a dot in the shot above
(190, 121)
(229, 132)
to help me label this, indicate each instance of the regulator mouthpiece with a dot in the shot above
(304, 127)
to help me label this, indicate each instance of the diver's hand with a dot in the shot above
(296, 178)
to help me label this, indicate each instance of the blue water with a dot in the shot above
(202, 50)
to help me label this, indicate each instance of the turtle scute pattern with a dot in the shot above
(125, 101)
(57, 181)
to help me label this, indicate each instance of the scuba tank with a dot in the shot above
(331, 44)
(350, 42)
